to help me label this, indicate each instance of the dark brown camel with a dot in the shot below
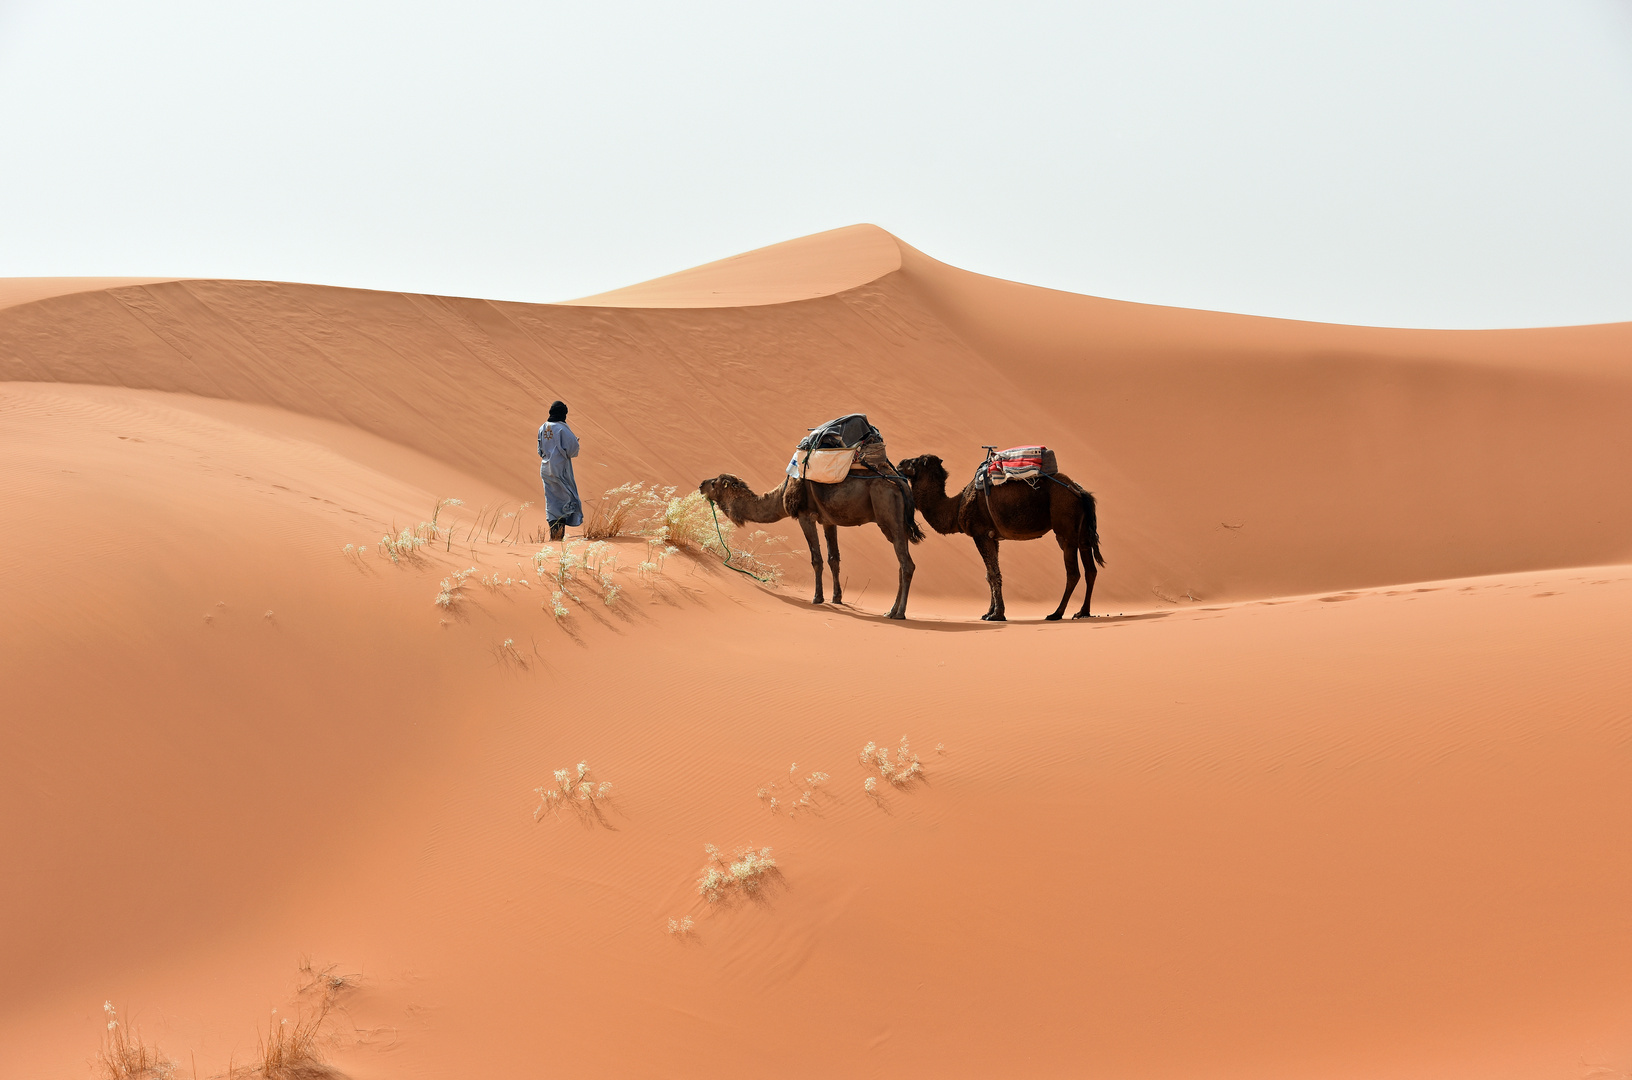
(1012, 511)
(854, 501)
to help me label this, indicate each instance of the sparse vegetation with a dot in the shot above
(590, 565)
(580, 792)
(681, 927)
(798, 794)
(688, 522)
(739, 875)
(575, 572)
(446, 531)
(452, 591)
(294, 1048)
(124, 1056)
(623, 511)
(405, 544)
(752, 557)
(900, 772)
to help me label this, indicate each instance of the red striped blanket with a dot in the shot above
(1020, 463)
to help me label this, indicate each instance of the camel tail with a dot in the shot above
(1090, 521)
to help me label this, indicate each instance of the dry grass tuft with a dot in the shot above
(689, 523)
(581, 793)
(586, 566)
(294, 1048)
(900, 772)
(404, 545)
(623, 511)
(798, 794)
(124, 1056)
(752, 556)
(452, 590)
(739, 875)
(681, 927)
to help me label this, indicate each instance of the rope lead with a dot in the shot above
(727, 548)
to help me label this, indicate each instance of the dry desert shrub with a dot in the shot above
(452, 589)
(623, 511)
(798, 794)
(682, 926)
(405, 544)
(436, 514)
(657, 513)
(751, 557)
(742, 874)
(294, 1048)
(689, 523)
(900, 772)
(124, 1056)
(581, 793)
(586, 566)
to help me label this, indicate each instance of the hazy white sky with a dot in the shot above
(1397, 162)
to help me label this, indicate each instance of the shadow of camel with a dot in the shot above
(972, 625)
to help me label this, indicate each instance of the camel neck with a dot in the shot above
(761, 509)
(940, 511)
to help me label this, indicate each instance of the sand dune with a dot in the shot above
(14, 291)
(1340, 794)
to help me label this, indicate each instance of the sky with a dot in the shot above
(1388, 162)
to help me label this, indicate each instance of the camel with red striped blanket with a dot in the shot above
(1015, 510)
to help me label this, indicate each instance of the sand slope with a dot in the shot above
(1356, 809)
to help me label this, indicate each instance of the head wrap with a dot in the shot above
(558, 411)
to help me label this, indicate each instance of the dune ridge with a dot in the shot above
(1338, 795)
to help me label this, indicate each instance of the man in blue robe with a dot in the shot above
(557, 446)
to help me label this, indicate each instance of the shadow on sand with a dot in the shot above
(951, 626)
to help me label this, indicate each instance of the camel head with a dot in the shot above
(723, 491)
(927, 466)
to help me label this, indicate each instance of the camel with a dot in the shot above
(1012, 511)
(853, 501)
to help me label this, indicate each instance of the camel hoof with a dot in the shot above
(893, 615)
(1052, 618)
(818, 600)
(993, 618)
(1082, 615)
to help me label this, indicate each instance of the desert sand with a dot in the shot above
(1336, 786)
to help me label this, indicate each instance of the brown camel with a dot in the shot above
(853, 501)
(1012, 511)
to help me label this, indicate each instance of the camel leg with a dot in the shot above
(807, 524)
(1071, 576)
(987, 546)
(832, 533)
(1089, 573)
(890, 513)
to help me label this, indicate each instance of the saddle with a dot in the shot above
(1027, 463)
(829, 453)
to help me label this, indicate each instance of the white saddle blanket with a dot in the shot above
(821, 466)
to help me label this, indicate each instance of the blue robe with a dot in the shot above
(557, 446)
